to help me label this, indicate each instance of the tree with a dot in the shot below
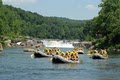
(0, 2)
(18, 22)
(108, 22)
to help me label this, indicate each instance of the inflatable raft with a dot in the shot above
(39, 54)
(80, 52)
(60, 59)
(99, 56)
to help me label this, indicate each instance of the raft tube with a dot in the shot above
(60, 59)
(98, 56)
(39, 54)
(80, 52)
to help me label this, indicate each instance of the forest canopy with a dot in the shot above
(16, 22)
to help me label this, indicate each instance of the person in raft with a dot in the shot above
(104, 52)
(72, 55)
(69, 55)
(47, 51)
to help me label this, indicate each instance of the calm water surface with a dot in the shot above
(17, 65)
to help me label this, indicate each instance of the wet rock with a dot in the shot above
(1, 48)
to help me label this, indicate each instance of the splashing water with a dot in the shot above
(59, 44)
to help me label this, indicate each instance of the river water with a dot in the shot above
(17, 65)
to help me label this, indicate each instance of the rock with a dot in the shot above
(8, 42)
(1, 48)
(29, 50)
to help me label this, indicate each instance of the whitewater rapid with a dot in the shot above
(59, 44)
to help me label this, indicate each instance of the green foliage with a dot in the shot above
(107, 25)
(0, 3)
(15, 22)
(9, 22)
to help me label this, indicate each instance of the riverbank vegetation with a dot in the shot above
(106, 27)
(103, 30)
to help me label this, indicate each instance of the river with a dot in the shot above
(17, 65)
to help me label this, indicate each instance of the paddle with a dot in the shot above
(51, 59)
(32, 56)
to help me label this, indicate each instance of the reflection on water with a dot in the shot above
(16, 65)
(65, 66)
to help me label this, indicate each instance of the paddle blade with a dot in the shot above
(51, 59)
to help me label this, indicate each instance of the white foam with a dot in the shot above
(59, 44)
